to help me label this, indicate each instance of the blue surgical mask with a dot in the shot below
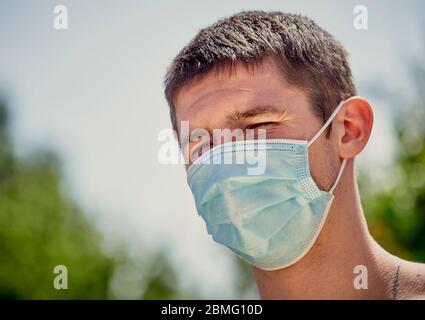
(269, 220)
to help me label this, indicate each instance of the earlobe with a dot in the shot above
(355, 126)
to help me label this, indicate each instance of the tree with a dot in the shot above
(397, 212)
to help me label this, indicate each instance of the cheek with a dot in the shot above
(322, 163)
(276, 133)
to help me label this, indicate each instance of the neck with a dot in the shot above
(328, 269)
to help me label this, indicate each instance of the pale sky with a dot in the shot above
(94, 95)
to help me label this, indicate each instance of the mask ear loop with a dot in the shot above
(330, 119)
(341, 170)
(322, 129)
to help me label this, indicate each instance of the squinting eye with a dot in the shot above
(259, 125)
(199, 149)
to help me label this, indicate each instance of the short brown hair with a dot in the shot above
(308, 56)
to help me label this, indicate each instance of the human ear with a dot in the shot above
(353, 127)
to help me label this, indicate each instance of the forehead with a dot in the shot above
(239, 89)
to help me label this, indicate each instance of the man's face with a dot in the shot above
(258, 98)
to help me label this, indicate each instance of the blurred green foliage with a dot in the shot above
(396, 210)
(41, 228)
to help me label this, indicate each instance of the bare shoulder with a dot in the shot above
(412, 280)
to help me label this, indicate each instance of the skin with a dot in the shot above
(327, 270)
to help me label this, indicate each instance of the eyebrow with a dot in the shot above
(255, 112)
